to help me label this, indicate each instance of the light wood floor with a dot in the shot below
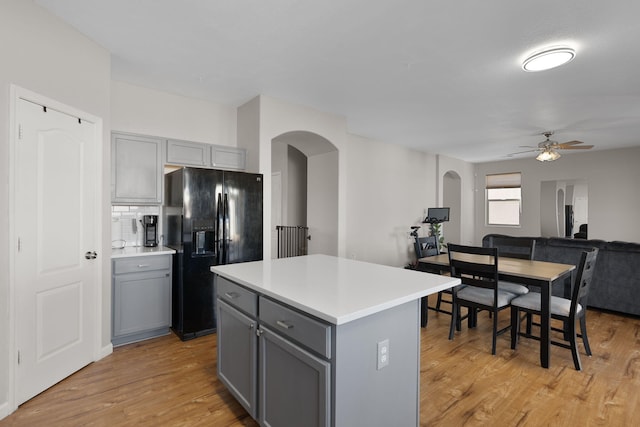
(166, 382)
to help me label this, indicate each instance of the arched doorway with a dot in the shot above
(452, 198)
(304, 168)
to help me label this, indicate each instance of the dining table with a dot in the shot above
(540, 274)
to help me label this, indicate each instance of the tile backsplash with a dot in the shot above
(126, 225)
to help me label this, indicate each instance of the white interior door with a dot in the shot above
(55, 223)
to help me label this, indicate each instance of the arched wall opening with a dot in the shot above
(304, 188)
(452, 198)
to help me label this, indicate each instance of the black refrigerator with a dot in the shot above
(211, 217)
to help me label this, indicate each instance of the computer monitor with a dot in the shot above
(437, 215)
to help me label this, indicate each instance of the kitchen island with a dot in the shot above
(321, 340)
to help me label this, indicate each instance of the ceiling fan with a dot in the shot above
(549, 149)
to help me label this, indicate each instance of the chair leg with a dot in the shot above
(472, 317)
(495, 333)
(424, 312)
(573, 340)
(529, 323)
(454, 319)
(515, 326)
(439, 301)
(583, 332)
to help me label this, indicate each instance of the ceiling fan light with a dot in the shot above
(548, 58)
(548, 156)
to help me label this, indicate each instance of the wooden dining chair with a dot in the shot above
(425, 247)
(480, 275)
(514, 247)
(567, 310)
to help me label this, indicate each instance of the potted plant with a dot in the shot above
(436, 230)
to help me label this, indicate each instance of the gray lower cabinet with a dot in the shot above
(141, 298)
(274, 360)
(237, 355)
(136, 169)
(311, 373)
(294, 384)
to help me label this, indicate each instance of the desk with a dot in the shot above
(530, 273)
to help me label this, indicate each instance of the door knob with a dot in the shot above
(90, 255)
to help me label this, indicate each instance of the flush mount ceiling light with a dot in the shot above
(548, 155)
(548, 58)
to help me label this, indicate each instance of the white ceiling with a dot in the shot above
(435, 75)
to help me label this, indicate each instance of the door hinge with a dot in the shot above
(18, 357)
(19, 244)
(19, 131)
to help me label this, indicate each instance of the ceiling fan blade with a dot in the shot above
(578, 147)
(522, 152)
(570, 143)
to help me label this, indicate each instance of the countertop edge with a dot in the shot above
(136, 251)
(346, 318)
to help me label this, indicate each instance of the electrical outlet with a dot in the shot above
(383, 354)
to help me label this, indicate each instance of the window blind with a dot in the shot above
(504, 180)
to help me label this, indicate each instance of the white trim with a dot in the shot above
(13, 97)
(105, 351)
(4, 410)
(16, 93)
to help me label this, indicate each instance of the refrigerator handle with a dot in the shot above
(226, 230)
(218, 227)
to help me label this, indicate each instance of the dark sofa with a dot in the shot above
(616, 283)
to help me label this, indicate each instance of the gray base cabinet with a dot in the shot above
(141, 298)
(288, 368)
(237, 355)
(294, 384)
(274, 378)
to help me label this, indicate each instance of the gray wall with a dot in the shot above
(613, 197)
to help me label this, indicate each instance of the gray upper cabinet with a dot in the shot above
(136, 169)
(228, 157)
(188, 153)
(199, 154)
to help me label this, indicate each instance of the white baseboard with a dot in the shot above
(4, 410)
(105, 351)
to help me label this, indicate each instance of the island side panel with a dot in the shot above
(366, 395)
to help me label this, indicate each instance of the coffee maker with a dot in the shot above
(150, 229)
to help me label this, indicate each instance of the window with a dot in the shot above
(504, 199)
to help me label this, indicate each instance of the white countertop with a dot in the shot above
(132, 251)
(337, 290)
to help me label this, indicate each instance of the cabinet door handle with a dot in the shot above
(284, 324)
(143, 265)
(231, 295)
(251, 325)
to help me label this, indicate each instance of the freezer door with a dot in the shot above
(243, 220)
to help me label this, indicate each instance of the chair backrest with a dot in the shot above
(584, 277)
(514, 247)
(426, 246)
(473, 265)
